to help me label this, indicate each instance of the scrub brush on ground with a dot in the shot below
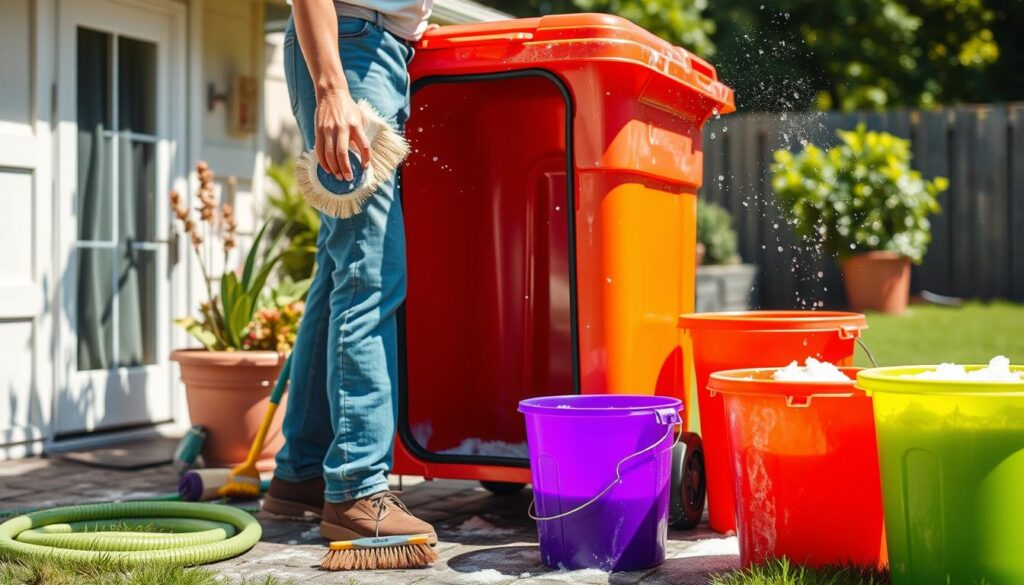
(341, 198)
(380, 552)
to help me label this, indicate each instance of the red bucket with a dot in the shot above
(805, 463)
(752, 339)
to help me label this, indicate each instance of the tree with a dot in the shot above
(843, 54)
(861, 54)
(678, 21)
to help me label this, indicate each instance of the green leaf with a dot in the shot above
(241, 317)
(199, 331)
(250, 259)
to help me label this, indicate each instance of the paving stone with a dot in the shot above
(484, 538)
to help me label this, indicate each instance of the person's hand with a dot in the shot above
(339, 126)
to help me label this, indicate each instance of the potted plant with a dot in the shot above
(245, 328)
(862, 199)
(723, 283)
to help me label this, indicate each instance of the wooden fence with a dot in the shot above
(977, 250)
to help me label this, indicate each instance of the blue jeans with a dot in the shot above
(342, 399)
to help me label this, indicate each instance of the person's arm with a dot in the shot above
(338, 120)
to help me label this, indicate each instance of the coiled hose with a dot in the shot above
(180, 533)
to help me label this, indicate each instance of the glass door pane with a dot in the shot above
(117, 318)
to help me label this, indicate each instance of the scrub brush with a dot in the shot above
(244, 480)
(380, 552)
(341, 198)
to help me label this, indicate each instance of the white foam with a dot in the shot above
(477, 525)
(474, 446)
(997, 370)
(813, 371)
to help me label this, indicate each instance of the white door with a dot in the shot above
(25, 155)
(117, 73)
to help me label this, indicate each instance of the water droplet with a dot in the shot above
(608, 280)
(435, 159)
(780, 248)
(762, 246)
(712, 136)
(853, 246)
(805, 342)
(775, 226)
(558, 208)
(721, 177)
(762, 7)
(725, 129)
(820, 274)
(420, 129)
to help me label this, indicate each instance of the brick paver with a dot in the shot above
(485, 539)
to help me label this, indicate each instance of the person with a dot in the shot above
(342, 401)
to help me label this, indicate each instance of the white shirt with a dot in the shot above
(406, 19)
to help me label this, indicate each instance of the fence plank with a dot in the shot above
(1015, 191)
(977, 245)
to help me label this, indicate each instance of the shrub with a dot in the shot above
(714, 230)
(860, 195)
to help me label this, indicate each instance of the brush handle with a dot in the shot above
(380, 542)
(268, 416)
(282, 381)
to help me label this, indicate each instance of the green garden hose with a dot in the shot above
(180, 533)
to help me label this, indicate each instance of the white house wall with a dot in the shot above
(223, 37)
(26, 283)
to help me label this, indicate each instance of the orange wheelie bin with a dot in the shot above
(549, 206)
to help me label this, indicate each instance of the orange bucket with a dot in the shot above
(752, 339)
(805, 460)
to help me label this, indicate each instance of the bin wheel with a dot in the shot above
(689, 487)
(502, 488)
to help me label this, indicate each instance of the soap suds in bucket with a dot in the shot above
(997, 370)
(813, 371)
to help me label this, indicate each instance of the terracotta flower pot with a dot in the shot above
(877, 281)
(228, 392)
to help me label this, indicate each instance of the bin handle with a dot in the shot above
(661, 415)
(479, 39)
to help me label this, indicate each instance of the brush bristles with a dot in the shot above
(407, 556)
(388, 149)
(241, 486)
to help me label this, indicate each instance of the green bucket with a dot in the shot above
(952, 470)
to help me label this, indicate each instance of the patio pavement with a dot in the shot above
(485, 539)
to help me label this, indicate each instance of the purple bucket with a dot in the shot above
(601, 467)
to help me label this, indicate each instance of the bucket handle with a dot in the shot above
(665, 416)
(805, 401)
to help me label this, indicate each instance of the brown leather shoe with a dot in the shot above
(381, 514)
(295, 499)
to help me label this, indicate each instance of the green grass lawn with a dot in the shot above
(782, 572)
(54, 571)
(930, 334)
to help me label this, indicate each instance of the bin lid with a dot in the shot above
(581, 37)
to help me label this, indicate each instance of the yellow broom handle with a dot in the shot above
(261, 434)
(275, 398)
